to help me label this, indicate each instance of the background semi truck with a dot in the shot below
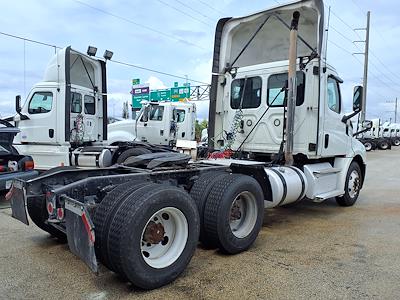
(161, 123)
(376, 137)
(64, 119)
(280, 119)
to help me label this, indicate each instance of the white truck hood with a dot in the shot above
(272, 41)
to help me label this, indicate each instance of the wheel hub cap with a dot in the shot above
(154, 233)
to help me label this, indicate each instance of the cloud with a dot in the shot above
(155, 83)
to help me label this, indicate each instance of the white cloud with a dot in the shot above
(155, 83)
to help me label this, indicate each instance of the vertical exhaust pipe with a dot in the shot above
(292, 89)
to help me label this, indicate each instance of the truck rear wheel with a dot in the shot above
(105, 212)
(199, 192)
(383, 145)
(36, 207)
(352, 186)
(396, 142)
(234, 212)
(368, 146)
(132, 152)
(154, 235)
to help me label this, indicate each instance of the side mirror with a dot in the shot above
(357, 98)
(18, 104)
(367, 124)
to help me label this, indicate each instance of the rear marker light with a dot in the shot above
(29, 165)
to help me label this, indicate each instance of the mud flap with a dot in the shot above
(80, 232)
(17, 197)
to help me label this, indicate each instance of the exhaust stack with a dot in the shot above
(292, 90)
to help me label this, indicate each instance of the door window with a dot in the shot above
(76, 103)
(252, 93)
(275, 84)
(333, 95)
(180, 115)
(90, 106)
(156, 113)
(41, 102)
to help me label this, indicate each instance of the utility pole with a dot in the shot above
(395, 112)
(365, 78)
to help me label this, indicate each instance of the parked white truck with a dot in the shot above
(160, 123)
(64, 119)
(287, 141)
(378, 136)
(391, 131)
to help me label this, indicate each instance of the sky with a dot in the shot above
(177, 36)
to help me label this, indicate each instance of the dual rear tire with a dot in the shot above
(149, 234)
(231, 211)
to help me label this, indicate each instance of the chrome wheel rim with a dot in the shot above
(354, 184)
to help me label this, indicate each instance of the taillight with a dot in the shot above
(60, 213)
(29, 165)
(50, 208)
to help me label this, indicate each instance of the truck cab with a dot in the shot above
(161, 123)
(249, 88)
(67, 109)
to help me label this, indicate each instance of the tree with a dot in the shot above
(199, 128)
(125, 110)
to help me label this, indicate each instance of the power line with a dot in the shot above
(194, 10)
(375, 56)
(29, 40)
(209, 6)
(183, 12)
(156, 71)
(170, 36)
(114, 61)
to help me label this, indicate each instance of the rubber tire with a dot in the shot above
(131, 152)
(105, 212)
(396, 142)
(217, 213)
(115, 230)
(368, 146)
(38, 213)
(128, 224)
(346, 200)
(199, 192)
(383, 145)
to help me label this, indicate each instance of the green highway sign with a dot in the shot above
(160, 95)
(136, 81)
(180, 93)
(140, 92)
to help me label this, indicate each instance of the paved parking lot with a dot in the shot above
(307, 251)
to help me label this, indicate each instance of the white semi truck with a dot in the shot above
(378, 137)
(160, 123)
(392, 131)
(64, 119)
(280, 118)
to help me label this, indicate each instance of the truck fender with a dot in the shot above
(344, 163)
(120, 136)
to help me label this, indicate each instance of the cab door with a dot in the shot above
(41, 123)
(335, 138)
(154, 125)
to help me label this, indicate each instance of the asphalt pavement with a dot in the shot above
(311, 250)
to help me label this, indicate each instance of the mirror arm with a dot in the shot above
(347, 117)
(361, 131)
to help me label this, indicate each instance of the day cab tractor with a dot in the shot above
(277, 119)
(63, 122)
